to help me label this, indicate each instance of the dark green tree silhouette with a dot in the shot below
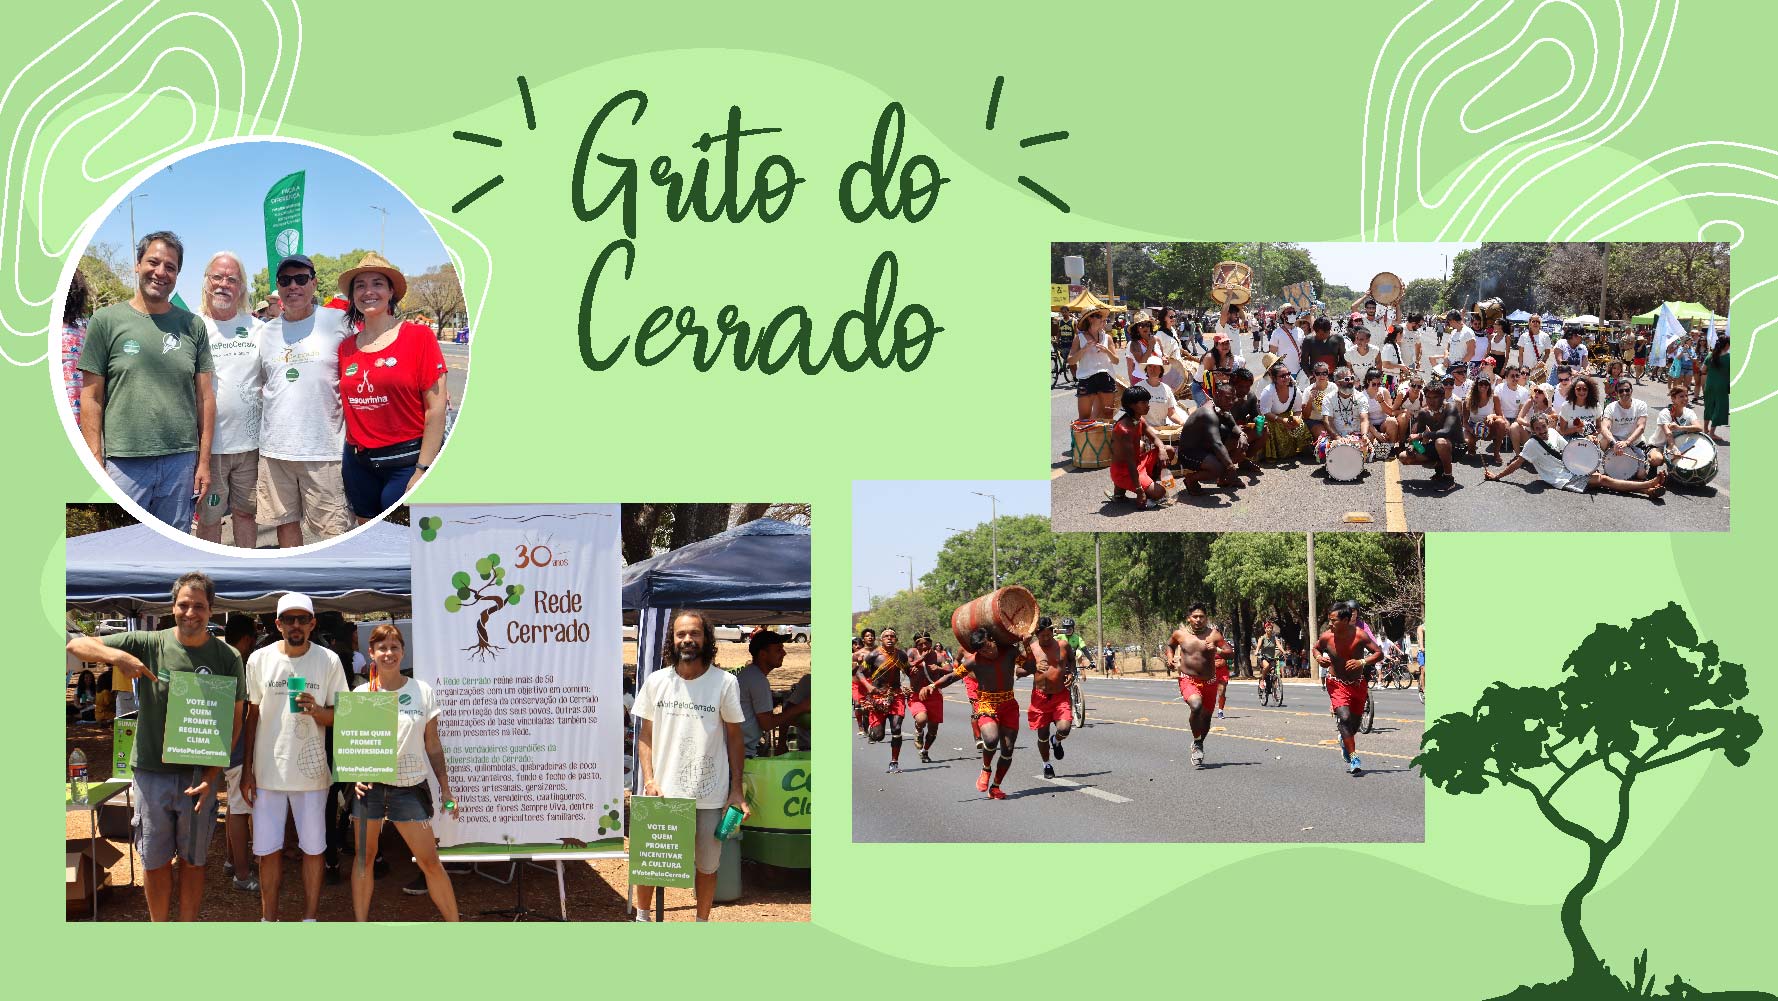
(493, 577)
(1635, 699)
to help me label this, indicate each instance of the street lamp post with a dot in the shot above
(869, 599)
(910, 560)
(993, 535)
(382, 236)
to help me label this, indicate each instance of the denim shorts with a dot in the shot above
(162, 825)
(397, 803)
(161, 484)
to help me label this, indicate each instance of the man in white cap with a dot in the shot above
(291, 689)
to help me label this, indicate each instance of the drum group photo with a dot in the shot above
(264, 345)
(1465, 387)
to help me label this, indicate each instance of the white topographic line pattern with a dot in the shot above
(1453, 44)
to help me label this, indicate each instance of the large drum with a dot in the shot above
(1009, 613)
(1583, 457)
(1345, 459)
(1630, 464)
(1169, 435)
(1092, 444)
(1387, 288)
(1693, 462)
(1231, 283)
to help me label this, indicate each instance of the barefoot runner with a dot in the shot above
(924, 668)
(1050, 702)
(863, 644)
(1196, 649)
(994, 667)
(881, 671)
(1347, 654)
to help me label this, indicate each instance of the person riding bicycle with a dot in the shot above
(1269, 649)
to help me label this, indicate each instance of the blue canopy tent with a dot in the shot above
(131, 571)
(1550, 319)
(756, 573)
(1518, 316)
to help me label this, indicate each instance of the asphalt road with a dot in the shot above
(1271, 775)
(1296, 497)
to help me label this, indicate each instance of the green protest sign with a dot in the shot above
(200, 719)
(364, 737)
(663, 837)
(123, 746)
(284, 219)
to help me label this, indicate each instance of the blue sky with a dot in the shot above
(1355, 264)
(213, 200)
(915, 517)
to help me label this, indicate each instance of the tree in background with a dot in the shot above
(1423, 295)
(1636, 699)
(85, 519)
(436, 294)
(1507, 271)
(105, 266)
(649, 529)
(328, 269)
(910, 614)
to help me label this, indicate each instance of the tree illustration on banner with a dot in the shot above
(494, 592)
(1635, 699)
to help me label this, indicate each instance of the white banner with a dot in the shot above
(518, 628)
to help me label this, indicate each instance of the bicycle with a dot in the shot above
(1077, 700)
(1271, 687)
(1395, 674)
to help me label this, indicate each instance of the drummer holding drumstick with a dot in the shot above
(1543, 453)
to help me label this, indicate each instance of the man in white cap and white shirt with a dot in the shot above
(291, 689)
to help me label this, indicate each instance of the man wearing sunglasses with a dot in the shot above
(302, 429)
(1625, 427)
(291, 688)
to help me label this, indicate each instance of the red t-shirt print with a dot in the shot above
(383, 392)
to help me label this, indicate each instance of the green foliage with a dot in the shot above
(910, 614)
(1423, 295)
(328, 269)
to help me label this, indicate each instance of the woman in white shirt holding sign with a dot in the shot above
(407, 802)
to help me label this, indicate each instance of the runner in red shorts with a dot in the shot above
(881, 672)
(1347, 654)
(864, 643)
(1050, 704)
(1195, 650)
(925, 668)
(1224, 651)
(995, 667)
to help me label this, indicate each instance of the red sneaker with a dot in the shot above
(996, 793)
(981, 783)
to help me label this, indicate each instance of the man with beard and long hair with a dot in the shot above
(689, 744)
(994, 666)
(234, 448)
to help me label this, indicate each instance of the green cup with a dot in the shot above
(297, 686)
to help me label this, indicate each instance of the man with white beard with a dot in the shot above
(234, 447)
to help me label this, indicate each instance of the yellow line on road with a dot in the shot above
(1056, 473)
(1395, 517)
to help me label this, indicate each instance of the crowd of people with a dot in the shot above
(1430, 391)
(891, 683)
(310, 413)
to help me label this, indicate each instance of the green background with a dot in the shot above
(1188, 122)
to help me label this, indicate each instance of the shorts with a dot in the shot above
(897, 705)
(401, 804)
(234, 486)
(933, 707)
(1203, 689)
(1095, 385)
(857, 692)
(159, 484)
(1000, 707)
(1048, 709)
(708, 854)
(290, 489)
(1353, 694)
(1222, 673)
(371, 491)
(1191, 459)
(162, 826)
(1145, 470)
(309, 808)
(237, 804)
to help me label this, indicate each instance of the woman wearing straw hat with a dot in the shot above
(407, 802)
(392, 386)
(1095, 361)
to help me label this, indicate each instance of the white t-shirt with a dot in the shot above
(1377, 328)
(1288, 348)
(688, 717)
(1376, 405)
(1623, 419)
(1664, 419)
(1094, 360)
(1427, 341)
(1511, 400)
(290, 749)
(415, 706)
(1362, 363)
(1345, 414)
(1549, 463)
(1160, 403)
(1574, 356)
(235, 350)
(300, 365)
(1463, 346)
(1271, 405)
(1530, 352)
(1572, 413)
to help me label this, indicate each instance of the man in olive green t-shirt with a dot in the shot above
(147, 396)
(175, 804)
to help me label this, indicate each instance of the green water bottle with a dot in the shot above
(731, 819)
(1419, 447)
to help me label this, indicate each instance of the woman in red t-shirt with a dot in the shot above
(392, 388)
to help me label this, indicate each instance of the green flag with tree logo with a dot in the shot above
(283, 220)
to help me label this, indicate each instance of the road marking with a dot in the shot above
(1287, 712)
(1395, 518)
(1089, 790)
(1262, 740)
(1056, 473)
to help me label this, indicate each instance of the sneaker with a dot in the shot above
(925, 758)
(1056, 748)
(1356, 766)
(1049, 770)
(1197, 757)
(416, 887)
(981, 782)
(995, 793)
(248, 885)
(1220, 714)
(894, 768)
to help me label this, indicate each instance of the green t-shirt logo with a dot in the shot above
(240, 332)
(131, 346)
(352, 369)
(406, 699)
(290, 375)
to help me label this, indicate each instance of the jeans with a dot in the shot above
(161, 484)
(371, 491)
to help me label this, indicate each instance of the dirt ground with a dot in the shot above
(596, 890)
